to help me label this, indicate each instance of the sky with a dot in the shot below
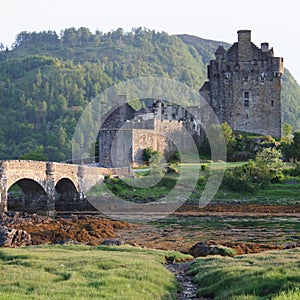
(274, 21)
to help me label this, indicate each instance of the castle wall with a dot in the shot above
(244, 87)
(164, 137)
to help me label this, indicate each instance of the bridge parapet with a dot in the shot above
(45, 183)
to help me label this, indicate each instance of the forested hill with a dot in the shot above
(46, 80)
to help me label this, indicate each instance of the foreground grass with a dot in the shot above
(82, 272)
(270, 275)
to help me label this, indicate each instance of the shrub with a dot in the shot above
(151, 157)
(173, 157)
(269, 139)
(245, 178)
(295, 171)
(267, 168)
(204, 167)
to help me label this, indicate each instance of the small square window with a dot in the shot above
(246, 95)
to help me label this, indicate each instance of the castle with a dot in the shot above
(244, 87)
(126, 131)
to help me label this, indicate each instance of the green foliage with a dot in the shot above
(269, 161)
(151, 157)
(228, 133)
(269, 139)
(291, 149)
(204, 167)
(257, 174)
(35, 154)
(244, 178)
(295, 171)
(173, 157)
(287, 129)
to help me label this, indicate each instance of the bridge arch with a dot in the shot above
(34, 196)
(66, 195)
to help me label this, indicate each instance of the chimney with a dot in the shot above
(244, 45)
(244, 36)
(264, 47)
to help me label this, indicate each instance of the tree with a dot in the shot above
(151, 157)
(258, 174)
(228, 134)
(287, 129)
(269, 162)
(291, 149)
(295, 146)
(287, 136)
(35, 154)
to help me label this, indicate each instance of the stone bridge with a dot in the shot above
(47, 186)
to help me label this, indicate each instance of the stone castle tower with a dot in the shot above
(244, 86)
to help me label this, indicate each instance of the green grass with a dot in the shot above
(82, 272)
(275, 194)
(269, 275)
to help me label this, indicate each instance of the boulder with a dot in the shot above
(10, 237)
(111, 243)
(206, 248)
(202, 249)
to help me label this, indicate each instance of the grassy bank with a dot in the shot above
(269, 275)
(82, 272)
(286, 193)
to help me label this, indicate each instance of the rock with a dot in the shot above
(205, 248)
(291, 246)
(67, 242)
(202, 249)
(111, 243)
(10, 237)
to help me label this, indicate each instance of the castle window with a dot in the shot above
(246, 95)
(247, 116)
(246, 102)
(272, 103)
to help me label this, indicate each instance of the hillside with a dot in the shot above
(46, 80)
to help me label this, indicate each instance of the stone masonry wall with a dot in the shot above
(244, 87)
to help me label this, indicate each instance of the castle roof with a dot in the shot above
(205, 87)
(257, 53)
(144, 110)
